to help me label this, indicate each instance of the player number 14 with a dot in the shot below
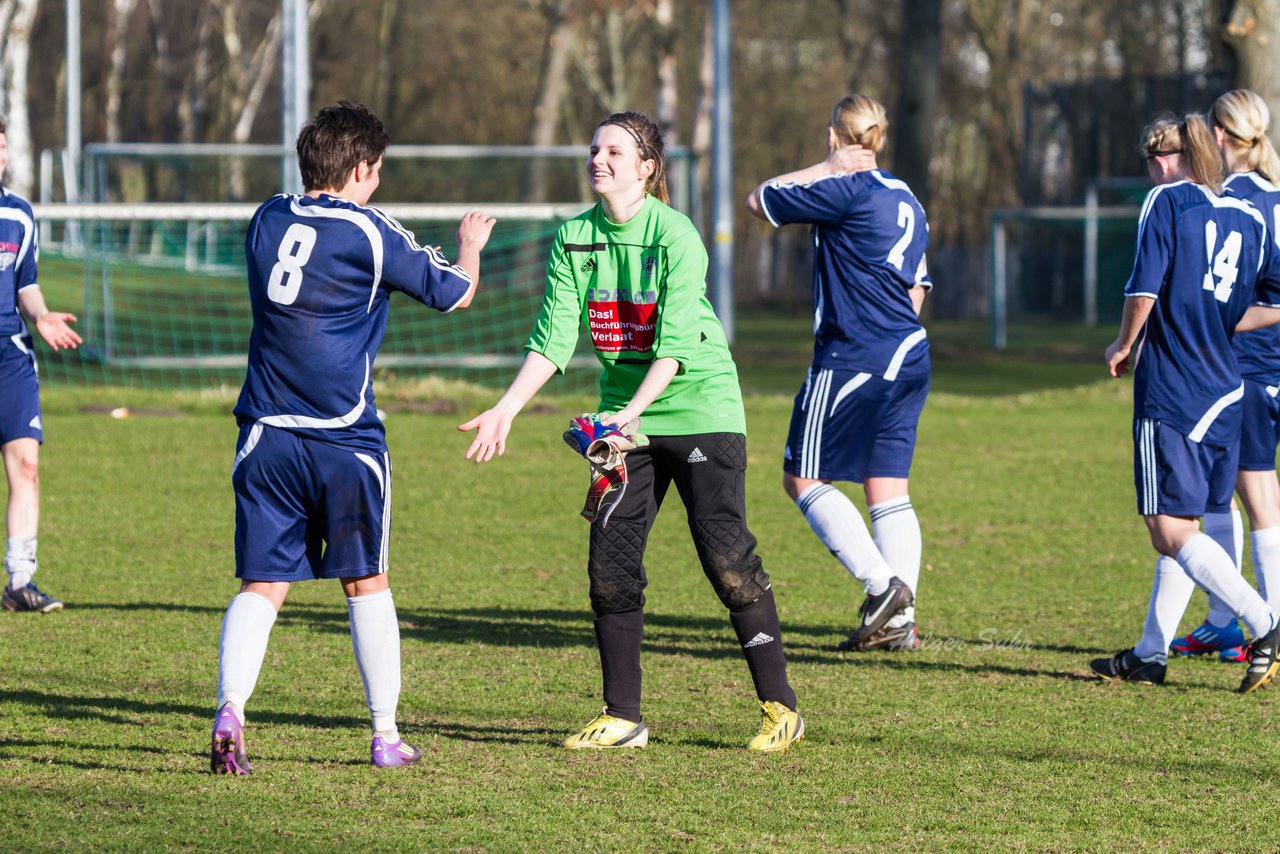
(293, 254)
(1224, 265)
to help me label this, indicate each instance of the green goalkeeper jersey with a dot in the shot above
(639, 289)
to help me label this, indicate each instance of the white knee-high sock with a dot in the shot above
(896, 531)
(375, 639)
(837, 522)
(1170, 595)
(246, 629)
(1227, 530)
(20, 561)
(1211, 568)
(1266, 564)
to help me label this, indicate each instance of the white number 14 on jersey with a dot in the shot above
(1224, 265)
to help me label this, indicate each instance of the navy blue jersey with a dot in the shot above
(19, 252)
(869, 241)
(320, 276)
(1205, 259)
(1258, 352)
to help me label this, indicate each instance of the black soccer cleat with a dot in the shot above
(875, 612)
(1264, 661)
(903, 638)
(1124, 666)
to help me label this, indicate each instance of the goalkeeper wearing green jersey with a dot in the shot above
(632, 271)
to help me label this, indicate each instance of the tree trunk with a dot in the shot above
(1253, 32)
(918, 94)
(551, 90)
(701, 138)
(666, 99)
(17, 50)
(122, 13)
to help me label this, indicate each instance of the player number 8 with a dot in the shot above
(293, 254)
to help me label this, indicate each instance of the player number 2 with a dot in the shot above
(1224, 265)
(907, 222)
(293, 254)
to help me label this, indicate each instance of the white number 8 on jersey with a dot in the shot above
(293, 254)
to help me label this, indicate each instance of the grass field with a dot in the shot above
(991, 736)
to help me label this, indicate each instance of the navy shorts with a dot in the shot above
(307, 509)
(1175, 476)
(850, 425)
(19, 391)
(1260, 430)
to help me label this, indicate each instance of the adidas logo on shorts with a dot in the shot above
(696, 456)
(759, 640)
(35, 422)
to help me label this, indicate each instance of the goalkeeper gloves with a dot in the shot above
(605, 447)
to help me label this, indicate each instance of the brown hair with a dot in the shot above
(649, 142)
(1244, 117)
(4, 126)
(1189, 137)
(335, 141)
(860, 120)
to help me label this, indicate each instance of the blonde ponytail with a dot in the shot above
(1244, 118)
(860, 120)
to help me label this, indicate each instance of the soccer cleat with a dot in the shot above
(1209, 638)
(780, 728)
(1235, 655)
(1264, 661)
(606, 731)
(1126, 667)
(227, 754)
(29, 598)
(903, 638)
(393, 754)
(876, 611)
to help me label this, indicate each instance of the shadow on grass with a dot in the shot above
(122, 709)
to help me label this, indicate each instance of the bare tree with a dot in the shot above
(551, 87)
(665, 109)
(921, 43)
(1253, 32)
(121, 13)
(16, 20)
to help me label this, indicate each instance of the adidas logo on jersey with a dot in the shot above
(589, 266)
(35, 422)
(759, 640)
(696, 456)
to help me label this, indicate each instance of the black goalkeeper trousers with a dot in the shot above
(709, 473)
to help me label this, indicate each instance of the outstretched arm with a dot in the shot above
(493, 425)
(1136, 311)
(52, 325)
(473, 234)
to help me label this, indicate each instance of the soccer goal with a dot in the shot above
(1062, 264)
(162, 301)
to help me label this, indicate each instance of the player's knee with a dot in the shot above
(27, 469)
(737, 583)
(615, 594)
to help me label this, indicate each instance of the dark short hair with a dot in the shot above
(4, 125)
(334, 142)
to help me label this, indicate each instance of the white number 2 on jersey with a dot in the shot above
(293, 254)
(1224, 265)
(907, 221)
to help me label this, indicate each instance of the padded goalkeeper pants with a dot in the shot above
(709, 472)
